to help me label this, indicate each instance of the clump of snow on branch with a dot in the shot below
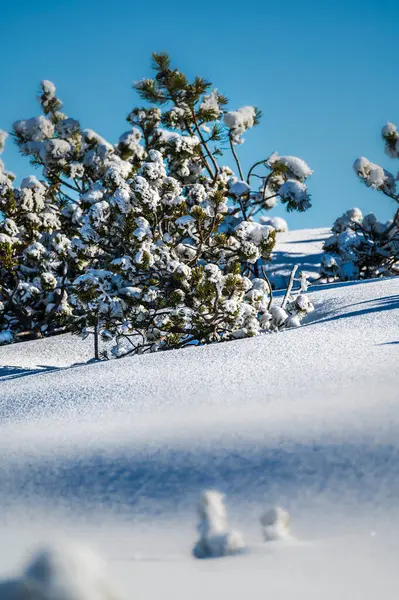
(295, 194)
(238, 121)
(36, 129)
(215, 538)
(210, 105)
(374, 176)
(391, 136)
(294, 165)
(238, 187)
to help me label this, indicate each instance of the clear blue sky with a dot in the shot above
(324, 73)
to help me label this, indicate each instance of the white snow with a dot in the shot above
(238, 121)
(297, 166)
(302, 247)
(278, 223)
(3, 137)
(215, 539)
(373, 175)
(61, 572)
(32, 182)
(294, 191)
(48, 87)
(275, 524)
(238, 187)
(389, 129)
(117, 453)
(35, 129)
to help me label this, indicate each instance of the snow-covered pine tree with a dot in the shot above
(181, 256)
(362, 247)
(39, 225)
(160, 244)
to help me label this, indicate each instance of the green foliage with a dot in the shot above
(7, 258)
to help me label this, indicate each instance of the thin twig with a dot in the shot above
(236, 158)
(260, 162)
(269, 285)
(265, 188)
(289, 288)
(203, 142)
(68, 185)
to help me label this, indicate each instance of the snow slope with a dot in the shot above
(299, 246)
(117, 453)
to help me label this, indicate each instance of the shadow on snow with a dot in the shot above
(162, 479)
(375, 305)
(13, 372)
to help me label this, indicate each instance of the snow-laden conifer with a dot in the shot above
(362, 247)
(151, 243)
(38, 229)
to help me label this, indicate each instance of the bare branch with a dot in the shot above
(289, 288)
(269, 285)
(236, 157)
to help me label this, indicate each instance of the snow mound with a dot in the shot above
(275, 524)
(61, 572)
(215, 538)
(302, 247)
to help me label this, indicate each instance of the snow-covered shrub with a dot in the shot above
(35, 260)
(215, 539)
(62, 572)
(362, 247)
(294, 307)
(150, 242)
(181, 255)
(39, 227)
(275, 524)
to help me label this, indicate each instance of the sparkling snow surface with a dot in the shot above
(116, 454)
(299, 246)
